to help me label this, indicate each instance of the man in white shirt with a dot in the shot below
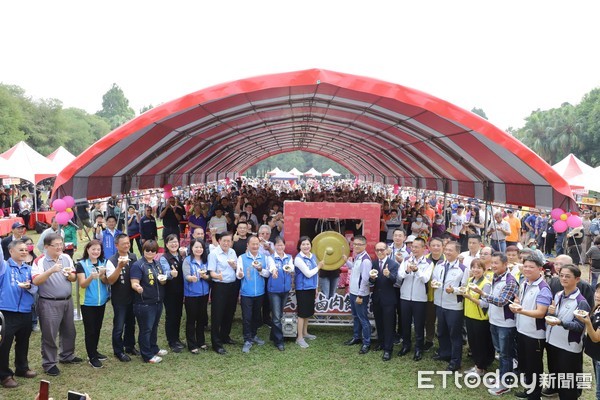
(498, 229)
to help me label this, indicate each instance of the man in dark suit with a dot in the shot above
(384, 299)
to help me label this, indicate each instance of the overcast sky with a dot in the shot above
(507, 57)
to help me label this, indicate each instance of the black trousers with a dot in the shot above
(413, 312)
(224, 301)
(17, 327)
(563, 361)
(137, 240)
(480, 342)
(196, 312)
(92, 316)
(266, 306)
(173, 303)
(251, 316)
(531, 361)
(398, 315)
(385, 323)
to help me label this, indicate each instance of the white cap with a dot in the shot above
(410, 238)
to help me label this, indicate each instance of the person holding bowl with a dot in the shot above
(307, 268)
(91, 276)
(148, 280)
(278, 289)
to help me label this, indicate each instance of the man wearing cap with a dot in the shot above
(15, 303)
(514, 236)
(107, 236)
(18, 231)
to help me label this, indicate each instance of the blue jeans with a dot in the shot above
(504, 343)
(594, 278)
(499, 245)
(123, 332)
(148, 316)
(362, 326)
(277, 303)
(329, 286)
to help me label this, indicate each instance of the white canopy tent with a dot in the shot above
(331, 173)
(294, 171)
(274, 171)
(570, 167)
(28, 164)
(589, 180)
(284, 176)
(60, 157)
(312, 173)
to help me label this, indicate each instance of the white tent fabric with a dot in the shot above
(60, 157)
(570, 167)
(331, 172)
(6, 168)
(28, 164)
(282, 175)
(589, 180)
(294, 171)
(312, 172)
(274, 171)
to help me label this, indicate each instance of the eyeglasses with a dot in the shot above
(380, 250)
(57, 245)
(359, 244)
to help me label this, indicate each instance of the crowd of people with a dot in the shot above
(432, 276)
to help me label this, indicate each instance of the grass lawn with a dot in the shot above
(326, 370)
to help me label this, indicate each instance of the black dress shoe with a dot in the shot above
(453, 367)
(378, 348)
(418, 355)
(437, 357)
(229, 341)
(404, 351)
(176, 349)
(133, 351)
(220, 350)
(74, 360)
(352, 342)
(427, 346)
(123, 357)
(364, 349)
(179, 344)
(387, 356)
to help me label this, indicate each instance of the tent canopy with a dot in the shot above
(589, 180)
(60, 157)
(274, 171)
(312, 172)
(330, 172)
(570, 167)
(282, 175)
(379, 131)
(294, 171)
(26, 163)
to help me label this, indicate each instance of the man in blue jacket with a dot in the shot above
(16, 299)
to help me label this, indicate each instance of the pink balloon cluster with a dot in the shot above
(64, 209)
(563, 221)
(167, 191)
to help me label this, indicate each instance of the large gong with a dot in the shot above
(329, 247)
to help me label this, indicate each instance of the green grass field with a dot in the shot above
(326, 370)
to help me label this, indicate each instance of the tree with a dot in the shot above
(82, 129)
(146, 108)
(45, 126)
(480, 112)
(11, 119)
(115, 107)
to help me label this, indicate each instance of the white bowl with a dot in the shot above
(473, 285)
(162, 277)
(515, 307)
(374, 273)
(436, 284)
(23, 284)
(287, 268)
(551, 319)
(460, 290)
(581, 313)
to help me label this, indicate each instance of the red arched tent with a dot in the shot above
(378, 130)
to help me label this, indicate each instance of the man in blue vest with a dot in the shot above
(15, 303)
(107, 236)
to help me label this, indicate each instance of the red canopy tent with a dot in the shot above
(378, 130)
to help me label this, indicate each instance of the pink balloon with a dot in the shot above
(71, 214)
(560, 226)
(167, 194)
(573, 221)
(556, 213)
(59, 205)
(168, 187)
(69, 200)
(62, 218)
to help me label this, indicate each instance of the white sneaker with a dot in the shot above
(155, 360)
(515, 363)
(474, 371)
(162, 352)
(498, 391)
(309, 336)
(302, 343)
